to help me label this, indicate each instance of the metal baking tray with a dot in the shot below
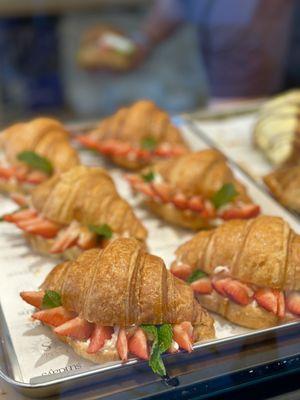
(18, 365)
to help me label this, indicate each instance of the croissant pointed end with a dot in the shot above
(33, 298)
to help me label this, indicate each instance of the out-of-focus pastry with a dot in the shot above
(136, 136)
(277, 130)
(32, 152)
(104, 47)
(75, 211)
(194, 190)
(284, 184)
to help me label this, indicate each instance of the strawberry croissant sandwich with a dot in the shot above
(247, 271)
(194, 190)
(136, 136)
(75, 211)
(120, 301)
(32, 152)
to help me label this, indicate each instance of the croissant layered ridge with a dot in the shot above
(123, 285)
(87, 195)
(263, 251)
(45, 136)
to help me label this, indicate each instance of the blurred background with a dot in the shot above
(189, 53)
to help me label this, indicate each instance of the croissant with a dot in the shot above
(45, 137)
(277, 130)
(108, 295)
(77, 210)
(186, 190)
(247, 271)
(284, 184)
(106, 47)
(136, 136)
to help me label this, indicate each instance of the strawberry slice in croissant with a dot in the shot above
(194, 190)
(136, 136)
(120, 301)
(33, 151)
(247, 271)
(75, 211)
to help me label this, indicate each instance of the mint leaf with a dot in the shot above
(197, 274)
(36, 161)
(156, 362)
(103, 230)
(225, 195)
(151, 332)
(162, 339)
(149, 176)
(51, 299)
(165, 336)
(148, 143)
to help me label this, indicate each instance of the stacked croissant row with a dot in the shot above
(110, 298)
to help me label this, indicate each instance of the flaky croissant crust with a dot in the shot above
(141, 120)
(200, 173)
(45, 136)
(263, 251)
(123, 285)
(89, 196)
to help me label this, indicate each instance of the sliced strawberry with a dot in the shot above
(142, 154)
(180, 201)
(33, 298)
(208, 210)
(267, 298)
(195, 203)
(247, 211)
(76, 328)
(219, 285)
(163, 191)
(108, 146)
(21, 173)
(238, 292)
(99, 336)
(137, 344)
(132, 179)
(281, 305)
(122, 345)
(182, 337)
(19, 216)
(87, 240)
(121, 149)
(36, 177)
(145, 188)
(41, 227)
(65, 239)
(7, 172)
(293, 303)
(19, 198)
(202, 286)
(182, 271)
(87, 141)
(54, 316)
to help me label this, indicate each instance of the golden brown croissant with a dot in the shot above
(187, 191)
(106, 47)
(247, 271)
(284, 184)
(277, 130)
(46, 138)
(106, 296)
(136, 136)
(79, 209)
